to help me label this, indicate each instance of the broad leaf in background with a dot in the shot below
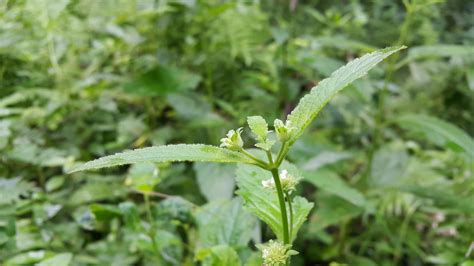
(162, 80)
(194, 109)
(310, 105)
(442, 197)
(220, 255)
(438, 131)
(329, 181)
(434, 51)
(325, 158)
(169, 153)
(264, 202)
(331, 210)
(63, 259)
(28, 258)
(12, 189)
(143, 177)
(389, 166)
(224, 223)
(216, 181)
(5, 132)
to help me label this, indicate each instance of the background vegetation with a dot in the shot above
(389, 163)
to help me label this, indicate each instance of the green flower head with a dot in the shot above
(283, 131)
(288, 182)
(275, 253)
(233, 141)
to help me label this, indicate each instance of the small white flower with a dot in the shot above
(233, 141)
(269, 183)
(288, 182)
(283, 131)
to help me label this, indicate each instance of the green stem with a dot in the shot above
(270, 158)
(288, 199)
(258, 161)
(281, 199)
(152, 230)
(281, 154)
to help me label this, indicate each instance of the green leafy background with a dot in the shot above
(386, 168)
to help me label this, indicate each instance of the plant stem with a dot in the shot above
(152, 230)
(281, 199)
(270, 158)
(281, 154)
(258, 161)
(288, 199)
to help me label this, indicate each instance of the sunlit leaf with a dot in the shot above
(169, 153)
(310, 105)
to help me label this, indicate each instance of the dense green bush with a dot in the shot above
(389, 163)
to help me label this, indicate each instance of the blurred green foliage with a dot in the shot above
(389, 163)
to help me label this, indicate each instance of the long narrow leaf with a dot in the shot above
(310, 105)
(169, 153)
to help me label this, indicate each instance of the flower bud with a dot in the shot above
(283, 131)
(287, 181)
(233, 141)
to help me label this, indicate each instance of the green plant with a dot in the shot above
(292, 209)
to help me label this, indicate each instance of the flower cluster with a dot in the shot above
(283, 131)
(233, 141)
(275, 253)
(288, 182)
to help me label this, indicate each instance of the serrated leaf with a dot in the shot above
(259, 126)
(169, 153)
(264, 202)
(225, 222)
(438, 131)
(310, 105)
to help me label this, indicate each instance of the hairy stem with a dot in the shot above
(281, 199)
(269, 157)
(281, 154)
(258, 161)
(290, 207)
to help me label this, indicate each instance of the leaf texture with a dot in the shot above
(310, 105)
(168, 153)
